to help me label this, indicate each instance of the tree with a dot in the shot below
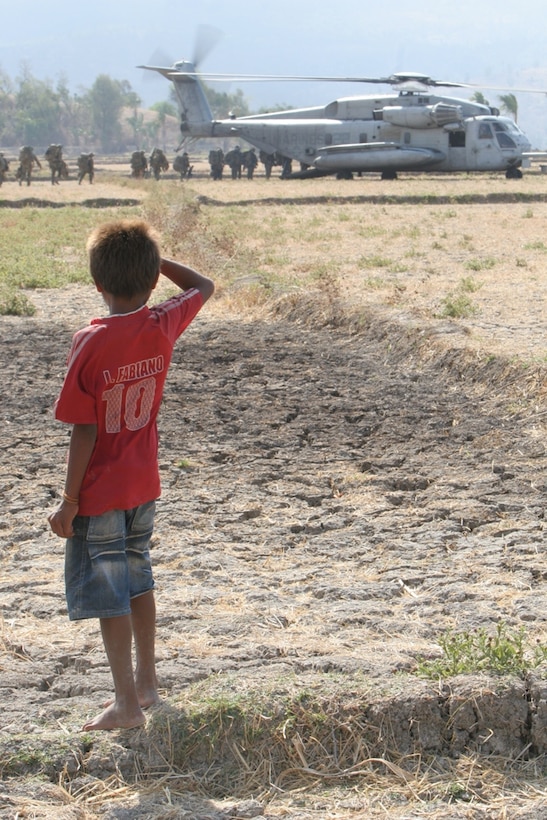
(7, 106)
(130, 98)
(270, 109)
(151, 129)
(224, 105)
(136, 121)
(510, 105)
(37, 117)
(106, 99)
(75, 115)
(479, 97)
(163, 109)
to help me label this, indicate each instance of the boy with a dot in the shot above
(111, 395)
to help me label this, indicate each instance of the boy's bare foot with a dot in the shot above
(146, 699)
(114, 717)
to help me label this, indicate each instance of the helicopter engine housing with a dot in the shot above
(428, 116)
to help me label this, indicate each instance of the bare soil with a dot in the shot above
(336, 496)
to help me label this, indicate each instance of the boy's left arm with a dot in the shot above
(185, 278)
(82, 444)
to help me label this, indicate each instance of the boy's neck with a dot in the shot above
(118, 305)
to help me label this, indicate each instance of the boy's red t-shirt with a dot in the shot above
(116, 372)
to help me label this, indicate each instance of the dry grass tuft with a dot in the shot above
(274, 744)
(320, 761)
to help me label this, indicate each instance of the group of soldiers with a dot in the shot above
(57, 165)
(237, 161)
(158, 162)
(240, 161)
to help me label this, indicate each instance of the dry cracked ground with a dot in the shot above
(334, 502)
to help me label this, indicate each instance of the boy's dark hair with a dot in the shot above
(124, 257)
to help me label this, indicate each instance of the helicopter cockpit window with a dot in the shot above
(504, 140)
(509, 126)
(512, 126)
(485, 132)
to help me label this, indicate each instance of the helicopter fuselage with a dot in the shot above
(411, 130)
(483, 143)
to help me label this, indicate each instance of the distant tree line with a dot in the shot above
(36, 112)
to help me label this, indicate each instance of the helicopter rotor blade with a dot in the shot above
(407, 82)
(161, 63)
(206, 39)
(394, 79)
(158, 58)
(507, 88)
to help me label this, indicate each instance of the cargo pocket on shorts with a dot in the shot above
(142, 520)
(106, 533)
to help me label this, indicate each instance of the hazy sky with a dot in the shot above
(484, 41)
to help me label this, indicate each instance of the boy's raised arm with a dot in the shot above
(186, 278)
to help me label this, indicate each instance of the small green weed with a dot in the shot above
(413, 253)
(371, 231)
(469, 285)
(184, 464)
(503, 653)
(374, 283)
(413, 232)
(535, 246)
(15, 303)
(480, 264)
(457, 306)
(374, 262)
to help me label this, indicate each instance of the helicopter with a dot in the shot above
(412, 129)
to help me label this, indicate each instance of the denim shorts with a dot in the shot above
(107, 562)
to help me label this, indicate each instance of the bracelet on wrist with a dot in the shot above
(70, 500)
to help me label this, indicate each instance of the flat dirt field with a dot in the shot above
(350, 472)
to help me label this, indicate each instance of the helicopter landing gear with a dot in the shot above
(344, 175)
(389, 174)
(513, 173)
